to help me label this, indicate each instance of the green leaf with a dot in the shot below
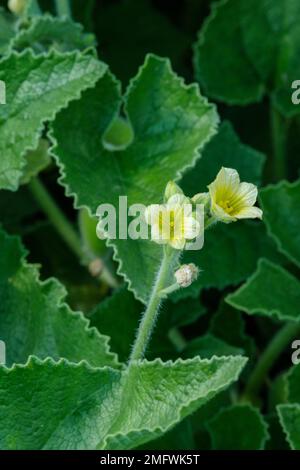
(281, 206)
(37, 87)
(289, 416)
(171, 122)
(224, 149)
(235, 250)
(277, 439)
(34, 319)
(239, 427)
(47, 32)
(17, 209)
(229, 325)
(208, 345)
(179, 438)
(103, 408)
(271, 291)
(234, 79)
(36, 161)
(293, 384)
(260, 52)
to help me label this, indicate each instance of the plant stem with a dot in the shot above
(35, 8)
(279, 128)
(56, 216)
(149, 317)
(63, 8)
(280, 341)
(64, 227)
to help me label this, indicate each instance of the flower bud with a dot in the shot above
(172, 189)
(17, 6)
(186, 274)
(201, 198)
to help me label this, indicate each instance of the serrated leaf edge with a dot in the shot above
(159, 430)
(264, 424)
(61, 304)
(201, 37)
(259, 310)
(51, 116)
(294, 406)
(50, 18)
(270, 188)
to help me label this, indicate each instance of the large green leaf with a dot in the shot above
(171, 123)
(221, 63)
(239, 427)
(34, 318)
(281, 206)
(76, 407)
(270, 291)
(289, 416)
(37, 87)
(260, 41)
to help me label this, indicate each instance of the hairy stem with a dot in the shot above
(278, 344)
(64, 227)
(63, 8)
(149, 317)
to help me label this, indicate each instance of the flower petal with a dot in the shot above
(249, 213)
(220, 214)
(191, 228)
(151, 213)
(246, 196)
(177, 243)
(225, 185)
(177, 199)
(157, 235)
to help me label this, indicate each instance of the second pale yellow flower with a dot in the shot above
(231, 199)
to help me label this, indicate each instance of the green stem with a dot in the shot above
(63, 8)
(279, 128)
(149, 317)
(278, 344)
(35, 8)
(63, 226)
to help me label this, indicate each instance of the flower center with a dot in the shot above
(167, 221)
(226, 206)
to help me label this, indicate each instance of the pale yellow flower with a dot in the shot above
(231, 199)
(172, 223)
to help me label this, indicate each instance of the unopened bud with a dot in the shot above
(186, 274)
(17, 6)
(96, 267)
(201, 198)
(172, 189)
